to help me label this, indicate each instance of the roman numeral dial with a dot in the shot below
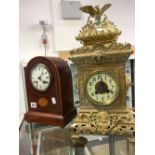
(101, 88)
(40, 77)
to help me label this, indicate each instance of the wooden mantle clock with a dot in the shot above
(101, 77)
(49, 91)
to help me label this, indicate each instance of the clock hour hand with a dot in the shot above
(40, 78)
(45, 82)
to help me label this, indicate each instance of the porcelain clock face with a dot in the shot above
(101, 88)
(40, 77)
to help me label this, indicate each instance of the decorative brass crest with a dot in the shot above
(97, 29)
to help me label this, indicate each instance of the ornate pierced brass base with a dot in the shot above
(109, 122)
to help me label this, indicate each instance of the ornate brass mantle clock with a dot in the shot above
(101, 77)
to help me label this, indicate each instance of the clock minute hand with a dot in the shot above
(40, 78)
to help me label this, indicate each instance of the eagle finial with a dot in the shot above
(95, 12)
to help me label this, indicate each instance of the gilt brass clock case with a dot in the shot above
(108, 101)
(101, 52)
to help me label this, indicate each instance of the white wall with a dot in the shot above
(64, 31)
(61, 33)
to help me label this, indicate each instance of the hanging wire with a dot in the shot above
(44, 37)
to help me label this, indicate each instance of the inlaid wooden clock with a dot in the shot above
(49, 91)
(101, 77)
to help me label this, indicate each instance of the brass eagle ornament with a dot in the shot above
(95, 12)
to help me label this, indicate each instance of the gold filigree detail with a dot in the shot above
(80, 87)
(104, 32)
(115, 47)
(99, 54)
(105, 123)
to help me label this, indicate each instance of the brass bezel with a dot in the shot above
(42, 65)
(101, 103)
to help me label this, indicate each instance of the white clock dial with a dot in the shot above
(101, 88)
(40, 77)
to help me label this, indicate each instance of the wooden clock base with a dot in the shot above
(50, 119)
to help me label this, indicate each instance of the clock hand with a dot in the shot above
(107, 89)
(45, 81)
(41, 73)
(40, 78)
